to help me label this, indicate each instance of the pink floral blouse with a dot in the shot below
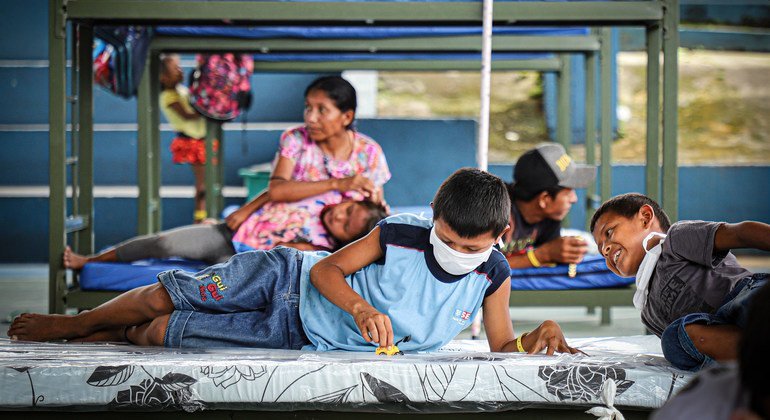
(278, 222)
(300, 221)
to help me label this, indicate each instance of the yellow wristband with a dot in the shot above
(532, 258)
(519, 347)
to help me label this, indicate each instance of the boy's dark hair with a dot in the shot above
(754, 348)
(376, 212)
(338, 90)
(473, 202)
(627, 205)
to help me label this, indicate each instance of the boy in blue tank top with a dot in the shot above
(408, 276)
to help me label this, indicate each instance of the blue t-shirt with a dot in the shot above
(407, 284)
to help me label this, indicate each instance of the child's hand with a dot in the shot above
(375, 327)
(236, 218)
(547, 336)
(565, 250)
(358, 183)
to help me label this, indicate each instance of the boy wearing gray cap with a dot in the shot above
(542, 193)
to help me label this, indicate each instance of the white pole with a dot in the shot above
(486, 81)
(482, 148)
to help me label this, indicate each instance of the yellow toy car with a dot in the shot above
(383, 351)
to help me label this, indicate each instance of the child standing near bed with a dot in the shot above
(691, 290)
(408, 277)
(189, 144)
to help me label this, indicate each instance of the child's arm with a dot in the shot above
(328, 276)
(497, 323)
(179, 109)
(742, 235)
(235, 219)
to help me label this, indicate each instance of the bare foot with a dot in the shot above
(40, 327)
(73, 260)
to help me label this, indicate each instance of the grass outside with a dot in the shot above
(723, 107)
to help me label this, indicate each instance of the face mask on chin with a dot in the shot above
(455, 262)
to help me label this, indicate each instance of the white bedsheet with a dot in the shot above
(462, 376)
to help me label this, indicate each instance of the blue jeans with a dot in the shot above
(676, 343)
(252, 300)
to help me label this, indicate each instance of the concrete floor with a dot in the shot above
(25, 289)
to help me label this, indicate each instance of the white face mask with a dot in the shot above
(455, 262)
(646, 268)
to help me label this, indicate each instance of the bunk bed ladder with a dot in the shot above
(79, 161)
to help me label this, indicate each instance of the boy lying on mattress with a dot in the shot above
(690, 288)
(408, 276)
(307, 224)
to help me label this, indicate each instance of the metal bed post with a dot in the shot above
(148, 149)
(214, 167)
(57, 145)
(482, 147)
(154, 131)
(84, 238)
(590, 140)
(605, 110)
(652, 168)
(563, 119)
(670, 112)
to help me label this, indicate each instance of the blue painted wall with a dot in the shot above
(421, 153)
(731, 193)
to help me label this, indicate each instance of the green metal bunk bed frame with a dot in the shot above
(149, 148)
(149, 213)
(660, 19)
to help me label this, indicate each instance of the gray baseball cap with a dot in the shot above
(548, 165)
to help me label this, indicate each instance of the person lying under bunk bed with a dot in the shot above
(321, 163)
(297, 225)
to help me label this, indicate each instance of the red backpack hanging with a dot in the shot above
(221, 86)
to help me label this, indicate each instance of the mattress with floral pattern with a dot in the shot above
(615, 372)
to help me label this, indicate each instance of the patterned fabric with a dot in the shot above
(280, 222)
(310, 163)
(187, 150)
(300, 221)
(219, 82)
(463, 377)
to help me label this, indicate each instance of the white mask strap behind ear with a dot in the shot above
(646, 268)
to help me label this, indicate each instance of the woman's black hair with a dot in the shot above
(627, 205)
(338, 90)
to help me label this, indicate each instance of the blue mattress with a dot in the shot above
(592, 273)
(363, 32)
(120, 277)
(321, 57)
(357, 32)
